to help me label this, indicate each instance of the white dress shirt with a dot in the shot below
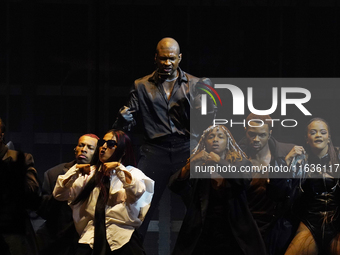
(125, 210)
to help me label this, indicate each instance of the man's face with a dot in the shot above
(257, 135)
(85, 149)
(167, 60)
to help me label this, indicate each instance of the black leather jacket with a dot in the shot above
(281, 192)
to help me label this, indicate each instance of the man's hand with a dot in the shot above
(126, 113)
(84, 168)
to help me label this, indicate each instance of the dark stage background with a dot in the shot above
(66, 66)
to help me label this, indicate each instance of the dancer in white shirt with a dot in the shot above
(109, 201)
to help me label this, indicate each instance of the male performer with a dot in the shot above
(161, 102)
(58, 235)
(269, 198)
(19, 191)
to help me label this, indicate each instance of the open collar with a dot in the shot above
(181, 76)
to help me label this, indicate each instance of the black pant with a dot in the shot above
(160, 159)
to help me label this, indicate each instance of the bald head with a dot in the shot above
(167, 58)
(168, 43)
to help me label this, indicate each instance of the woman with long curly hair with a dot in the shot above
(109, 200)
(218, 220)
